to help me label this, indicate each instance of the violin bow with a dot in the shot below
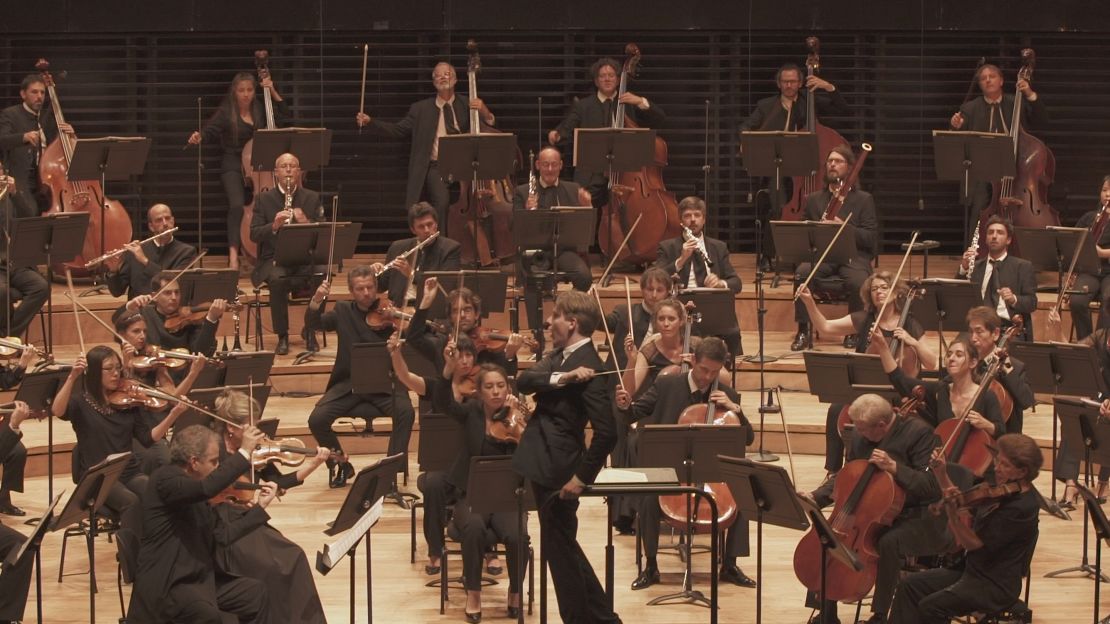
(250, 415)
(828, 248)
(628, 302)
(76, 314)
(624, 242)
(200, 186)
(893, 286)
(102, 322)
(609, 337)
(362, 91)
(158, 393)
(458, 308)
(178, 275)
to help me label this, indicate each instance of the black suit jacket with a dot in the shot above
(134, 279)
(589, 112)
(553, 447)
(19, 157)
(441, 255)
(977, 113)
(350, 324)
(420, 124)
(266, 207)
(664, 401)
(566, 194)
(770, 115)
(1016, 274)
(180, 533)
(864, 222)
(617, 320)
(669, 251)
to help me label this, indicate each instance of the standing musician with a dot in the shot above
(864, 225)
(900, 445)
(984, 328)
(700, 261)
(156, 309)
(403, 278)
(16, 580)
(350, 320)
(599, 110)
(13, 460)
(264, 553)
(553, 455)
(874, 292)
(132, 272)
(25, 131)
(288, 202)
(1008, 283)
(550, 191)
(426, 121)
(22, 283)
(178, 577)
(1094, 287)
(662, 404)
(233, 125)
(991, 576)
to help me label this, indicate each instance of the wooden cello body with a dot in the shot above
(106, 215)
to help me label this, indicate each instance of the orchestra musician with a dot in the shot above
(178, 577)
(16, 581)
(16, 283)
(264, 553)
(553, 455)
(349, 320)
(1092, 286)
(864, 225)
(701, 262)
(599, 110)
(164, 304)
(874, 292)
(1008, 283)
(666, 347)
(13, 460)
(992, 573)
(426, 121)
(25, 131)
(661, 404)
(403, 278)
(232, 125)
(288, 202)
(130, 274)
(984, 328)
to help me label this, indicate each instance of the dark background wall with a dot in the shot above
(139, 68)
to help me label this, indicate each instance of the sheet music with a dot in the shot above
(335, 551)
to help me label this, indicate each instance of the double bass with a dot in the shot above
(109, 224)
(827, 138)
(482, 218)
(260, 180)
(636, 194)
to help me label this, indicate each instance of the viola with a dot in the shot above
(186, 316)
(509, 422)
(385, 316)
(131, 394)
(486, 339)
(233, 494)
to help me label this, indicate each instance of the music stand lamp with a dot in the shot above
(477, 157)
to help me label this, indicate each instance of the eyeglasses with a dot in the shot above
(880, 288)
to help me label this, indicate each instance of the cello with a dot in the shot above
(109, 224)
(481, 218)
(260, 180)
(636, 194)
(827, 138)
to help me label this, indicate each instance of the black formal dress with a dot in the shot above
(178, 579)
(551, 451)
(134, 278)
(197, 338)
(22, 159)
(281, 278)
(24, 284)
(15, 582)
(1018, 275)
(666, 258)
(442, 254)
(1095, 285)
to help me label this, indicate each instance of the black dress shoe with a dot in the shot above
(473, 618)
(512, 612)
(310, 343)
(431, 570)
(816, 618)
(282, 345)
(802, 341)
(850, 341)
(9, 509)
(343, 471)
(647, 578)
(624, 526)
(732, 574)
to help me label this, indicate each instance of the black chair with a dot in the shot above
(452, 546)
(107, 522)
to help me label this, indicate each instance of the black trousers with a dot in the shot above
(578, 274)
(242, 596)
(438, 496)
(31, 289)
(125, 500)
(834, 444)
(14, 465)
(15, 582)
(736, 538)
(436, 193)
(581, 596)
(853, 274)
(231, 177)
(397, 406)
(1079, 303)
(477, 533)
(281, 281)
(937, 596)
(1067, 464)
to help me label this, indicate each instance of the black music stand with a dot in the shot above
(88, 497)
(15, 570)
(1051, 249)
(199, 286)
(371, 368)
(946, 300)
(370, 485)
(613, 150)
(830, 545)
(778, 154)
(440, 441)
(49, 239)
(1102, 532)
(311, 146)
(489, 285)
(692, 451)
(717, 307)
(301, 244)
(206, 398)
(767, 493)
(38, 390)
(843, 377)
(239, 368)
(972, 157)
(797, 242)
(474, 157)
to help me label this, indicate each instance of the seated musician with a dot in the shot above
(860, 206)
(1093, 287)
(288, 202)
(13, 460)
(265, 554)
(1008, 283)
(874, 292)
(550, 191)
(178, 577)
(700, 262)
(984, 328)
(165, 303)
(16, 581)
(106, 425)
(131, 273)
(349, 320)
(401, 277)
(906, 446)
(662, 404)
(992, 571)
(666, 347)
(17, 283)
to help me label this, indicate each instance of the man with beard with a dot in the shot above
(25, 131)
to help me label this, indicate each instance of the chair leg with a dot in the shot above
(412, 534)
(442, 581)
(531, 577)
(62, 563)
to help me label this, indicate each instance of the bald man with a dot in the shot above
(131, 273)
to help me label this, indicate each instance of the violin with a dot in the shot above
(159, 359)
(384, 316)
(509, 422)
(486, 339)
(233, 494)
(132, 394)
(12, 346)
(186, 316)
(285, 451)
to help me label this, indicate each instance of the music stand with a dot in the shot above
(972, 157)
(1051, 249)
(489, 285)
(370, 486)
(843, 377)
(717, 307)
(15, 570)
(1102, 532)
(440, 441)
(830, 545)
(304, 244)
(88, 497)
(946, 299)
(370, 369)
(311, 146)
(803, 241)
(199, 286)
(206, 398)
(38, 390)
(613, 150)
(766, 492)
(239, 369)
(477, 157)
(777, 154)
(50, 239)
